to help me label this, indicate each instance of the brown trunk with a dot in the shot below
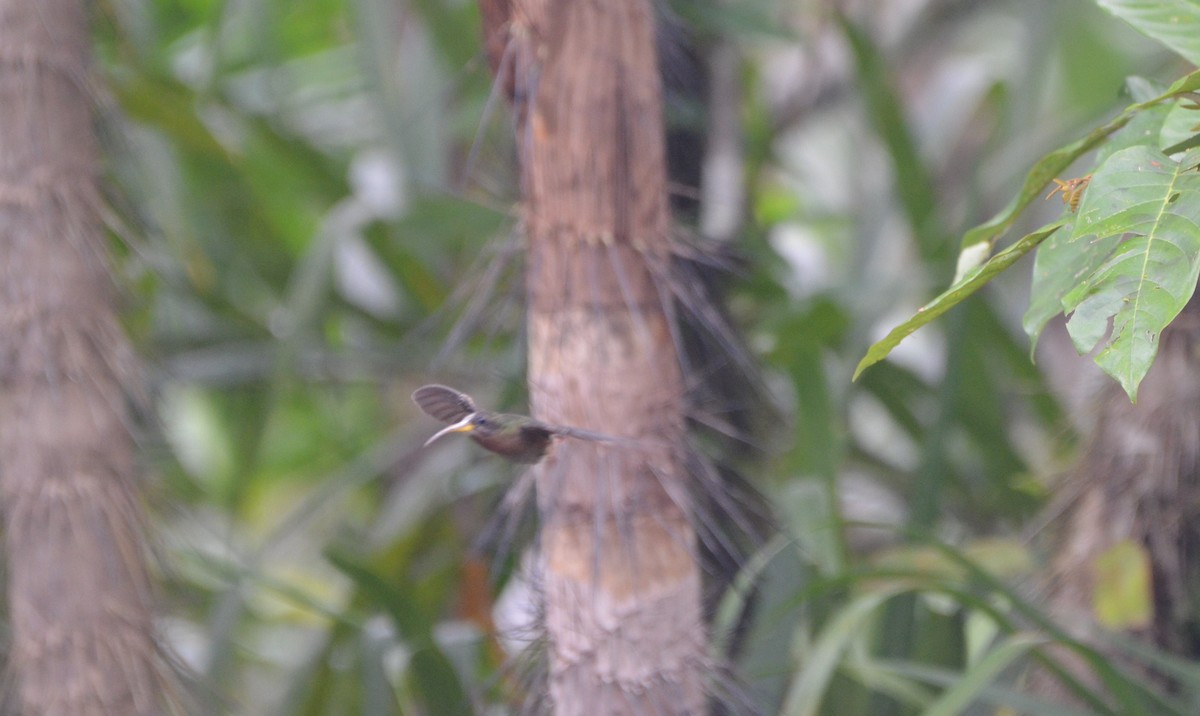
(1139, 482)
(77, 584)
(622, 586)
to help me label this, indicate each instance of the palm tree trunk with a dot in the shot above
(1137, 488)
(76, 577)
(622, 586)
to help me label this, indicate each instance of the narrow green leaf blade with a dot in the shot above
(956, 294)
(806, 692)
(957, 698)
(1003, 697)
(1147, 279)
(978, 242)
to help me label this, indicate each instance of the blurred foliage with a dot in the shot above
(315, 215)
(1131, 256)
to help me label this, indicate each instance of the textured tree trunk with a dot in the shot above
(1138, 483)
(622, 586)
(77, 584)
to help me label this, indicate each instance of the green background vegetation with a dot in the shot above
(315, 213)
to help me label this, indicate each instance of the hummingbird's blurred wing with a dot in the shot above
(446, 404)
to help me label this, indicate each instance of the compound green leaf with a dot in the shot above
(1151, 205)
(1062, 263)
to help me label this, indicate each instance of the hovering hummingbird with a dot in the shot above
(519, 438)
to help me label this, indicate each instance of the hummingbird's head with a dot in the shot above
(477, 423)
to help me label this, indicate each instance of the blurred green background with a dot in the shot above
(314, 213)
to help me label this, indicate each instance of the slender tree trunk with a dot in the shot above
(77, 584)
(622, 586)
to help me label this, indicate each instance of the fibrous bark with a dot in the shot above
(77, 586)
(1138, 482)
(622, 586)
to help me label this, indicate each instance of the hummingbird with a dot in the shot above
(519, 438)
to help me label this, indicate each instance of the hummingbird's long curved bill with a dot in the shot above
(462, 426)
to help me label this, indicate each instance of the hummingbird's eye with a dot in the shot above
(481, 422)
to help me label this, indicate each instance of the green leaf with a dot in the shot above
(1181, 127)
(1183, 145)
(969, 284)
(957, 698)
(978, 242)
(1145, 127)
(1179, 668)
(1007, 700)
(1148, 278)
(813, 517)
(753, 20)
(1062, 263)
(455, 28)
(1175, 23)
(433, 674)
(737, 596)
(915, 187)
(155, 101)
(1142, 89)
(1123, 596)
(1188, 83)
(818, 666)
(875, 675)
